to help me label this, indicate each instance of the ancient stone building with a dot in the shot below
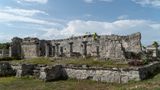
(4, 53)
(104, 46)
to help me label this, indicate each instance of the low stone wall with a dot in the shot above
(104, 75)
(118, 75)
(58, 72)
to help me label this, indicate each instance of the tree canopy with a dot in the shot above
(4, 45)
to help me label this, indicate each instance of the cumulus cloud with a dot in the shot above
(153, 3)
(33, 1)
(149, 29)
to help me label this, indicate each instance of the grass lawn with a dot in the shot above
(26, 83)
(75, 61)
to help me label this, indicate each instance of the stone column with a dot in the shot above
(53, 51)
(47, 50)
(97, 50)
(84, 49)
(3, 52)
(10, 51)
(38, 50)
(155, 52)
(71, 48)
(57, 49)
(61, 51)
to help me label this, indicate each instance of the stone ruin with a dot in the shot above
(63, 72)
(105, 46)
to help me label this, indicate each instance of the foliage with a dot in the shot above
(4, 45)
(95, 36)
(7, 59)
(144, 47)
(155, 44)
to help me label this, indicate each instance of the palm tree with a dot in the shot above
(155, 44)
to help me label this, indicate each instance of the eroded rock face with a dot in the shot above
(53, 73)
(6, 69)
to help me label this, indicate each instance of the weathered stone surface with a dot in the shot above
(30, 47)
(24, 70)
(15, 48)
(105, 46)
(114, 75)
(53, 73)
(117, 75)
(6, 69)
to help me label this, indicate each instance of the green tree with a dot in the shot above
(4, 45)
(95, 36)
(155, 44)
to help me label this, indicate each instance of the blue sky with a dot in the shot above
(55, 19)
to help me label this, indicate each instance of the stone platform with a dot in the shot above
(59, 72)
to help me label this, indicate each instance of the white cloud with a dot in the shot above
(33, 1)
(150, 30)
(10, 15)
(80, 27)
(7, 17)
(91, 1)
(153, 3)
(22, 12)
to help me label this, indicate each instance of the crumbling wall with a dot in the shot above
(132, 43)
(30, 47)
(105, 46)
(15, 48)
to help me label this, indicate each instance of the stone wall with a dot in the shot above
(100, 74)
(15, 48)
(104, 75)
(105, 46)
(30, 47)
(4, 53)
(118, 75)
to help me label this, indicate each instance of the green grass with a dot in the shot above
(75, 61)
(29, 83)
(34, 61)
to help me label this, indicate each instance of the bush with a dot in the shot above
(7, 59)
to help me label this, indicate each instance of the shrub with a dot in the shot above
(7, 59)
